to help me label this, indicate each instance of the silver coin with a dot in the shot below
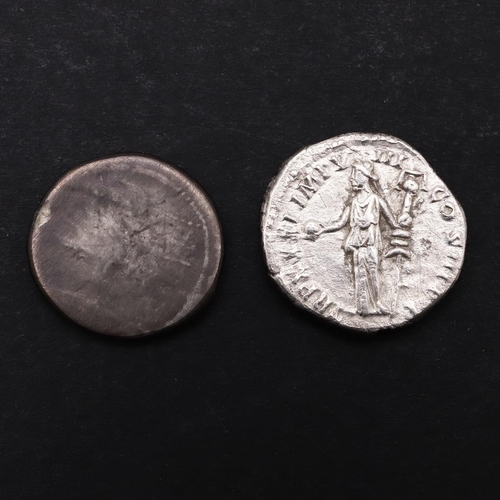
(361, 231)
(126, 245)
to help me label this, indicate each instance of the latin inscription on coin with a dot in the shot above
(360, 230)
(126, 245)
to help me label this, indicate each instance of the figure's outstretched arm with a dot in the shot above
(389, 217)
(338, 224)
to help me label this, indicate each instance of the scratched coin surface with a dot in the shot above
(360, 230)
(126, 245)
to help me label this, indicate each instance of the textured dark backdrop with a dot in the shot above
(253, 398)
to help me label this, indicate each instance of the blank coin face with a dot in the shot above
(126, 245)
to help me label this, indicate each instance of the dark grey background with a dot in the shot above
(253, 398)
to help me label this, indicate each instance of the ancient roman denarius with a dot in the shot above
(360, 230)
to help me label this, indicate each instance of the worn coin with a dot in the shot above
(126, 245)
(360, 230)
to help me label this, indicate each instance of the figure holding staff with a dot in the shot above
(364, 241)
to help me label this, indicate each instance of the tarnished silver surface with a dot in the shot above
(126, 245)
(360, 230)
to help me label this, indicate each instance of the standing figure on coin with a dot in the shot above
(403, 232)
(364, 240)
